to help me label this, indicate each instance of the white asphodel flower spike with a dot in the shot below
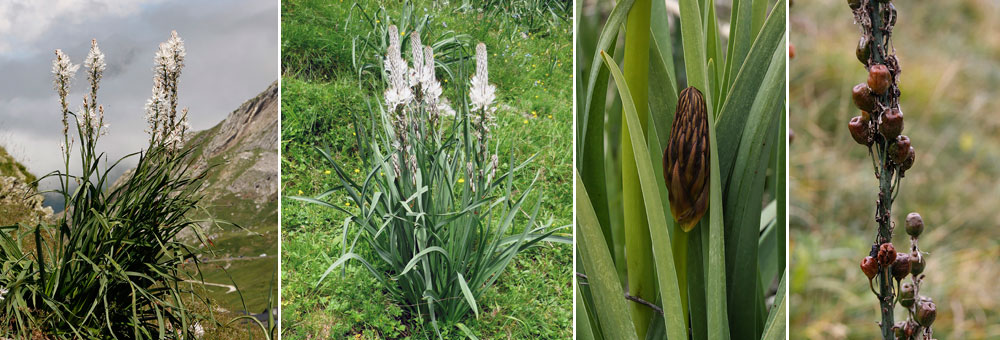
(95, 63)
(481, 92)
(416, 49)
(63, 71)
(399, 92)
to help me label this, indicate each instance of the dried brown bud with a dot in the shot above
(886, 254)
(863, 98)
(869, 267)
(901, 267)
(906, 294)
(686, 160)
(892, 123)
(859, 129)
(855, 4)
(926, 312)
(914, 224)
(863, 52)
(891, 15)
(878, 78)
(917, 263)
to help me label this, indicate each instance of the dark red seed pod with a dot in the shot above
(869, 267)
(892, 123)
(886, 254)
(791, 51)
(906, 294)
(926, 312)
(917, 263)
(901, 267)
(863, 98)
(900, 149)
(908, 162)
(859, 129)
(863, 52)
(914, 223)
(879, 78)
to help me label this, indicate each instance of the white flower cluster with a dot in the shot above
(90, 117)
(482, 93)
(165, 126)
(63, 72)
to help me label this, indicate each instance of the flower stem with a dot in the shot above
(638, 248)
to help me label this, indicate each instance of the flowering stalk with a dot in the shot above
(879, 127)
(165, 127)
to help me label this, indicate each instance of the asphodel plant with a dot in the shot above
(111, 265)
(680, 192)
(436, 217)
(879, 127)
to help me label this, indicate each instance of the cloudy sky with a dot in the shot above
(232, 55)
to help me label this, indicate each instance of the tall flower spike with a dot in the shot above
(417, 73)
(95, 63)
(481, 93)
(63, 71)
(398, 94)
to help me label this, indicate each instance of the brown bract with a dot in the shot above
(686, 160)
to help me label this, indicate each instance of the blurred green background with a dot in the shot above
(950, 57)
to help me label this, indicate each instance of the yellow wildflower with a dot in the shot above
(326, 172)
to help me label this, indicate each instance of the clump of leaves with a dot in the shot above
(703, 274)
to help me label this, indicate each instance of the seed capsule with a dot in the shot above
(901, 267)
(910, 329)
(917, 263)
(878, 78)
(914, 224)
(863, 97)
(886, 254)
(686, 160)
(863, 52)
(906, 293)
(926, 312)
(869, 267)
(908, 162)
(855, 4)
(900, 149)
(859, 129)
(899, 329)
(892, 123)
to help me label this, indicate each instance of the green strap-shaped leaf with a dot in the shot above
(602, 279)
(774, 328)
(744, 90)
(662, 254)
(468, 294)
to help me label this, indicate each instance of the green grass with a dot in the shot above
(320, 91)
(948, 96)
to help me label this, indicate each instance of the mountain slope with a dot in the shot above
(241, 156)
